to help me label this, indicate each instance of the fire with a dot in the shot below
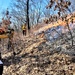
(55, 24)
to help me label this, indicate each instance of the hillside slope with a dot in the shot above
(35, 57)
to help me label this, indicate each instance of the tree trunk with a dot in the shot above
(70, 33)
(28, 15)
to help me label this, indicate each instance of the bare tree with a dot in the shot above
(37, 9)
(18, 12)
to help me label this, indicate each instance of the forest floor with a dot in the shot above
(36, 56)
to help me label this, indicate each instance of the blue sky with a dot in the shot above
(4, 4)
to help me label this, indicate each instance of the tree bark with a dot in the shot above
(28, 15)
